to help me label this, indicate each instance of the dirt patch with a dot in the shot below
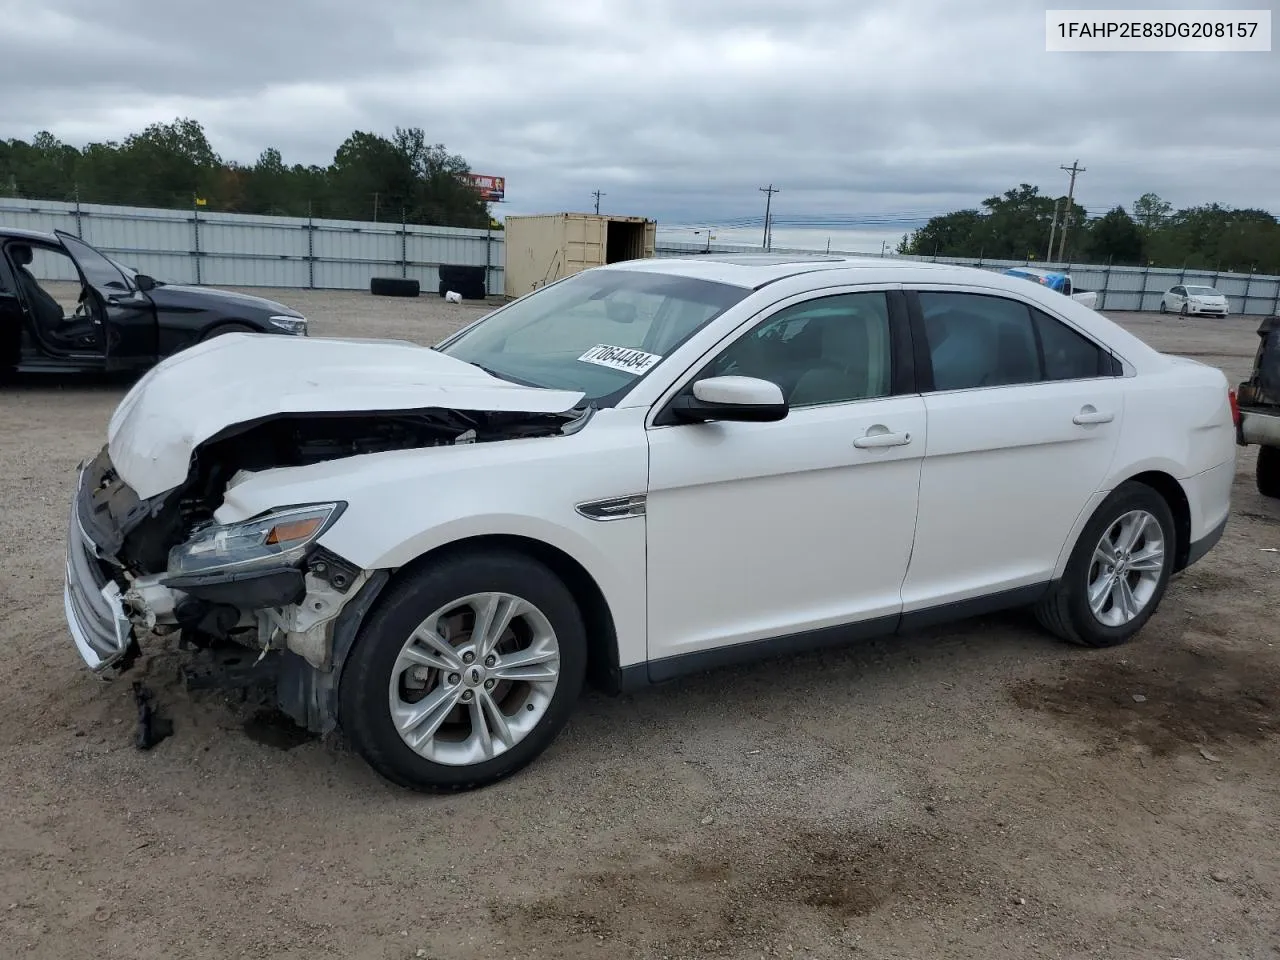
(889, 800)
(1165, 699)
(1267, 518)
(1209, 581)
(732, 891)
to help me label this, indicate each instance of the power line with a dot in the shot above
(768, 191)
(597, 194)
(1066, 216)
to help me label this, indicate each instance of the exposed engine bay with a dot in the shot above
(281, 441)
(289, 604)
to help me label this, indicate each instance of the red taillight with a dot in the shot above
(1235, 407)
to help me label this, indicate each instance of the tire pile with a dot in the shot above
(468, 281)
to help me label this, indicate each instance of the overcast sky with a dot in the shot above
(676, 109)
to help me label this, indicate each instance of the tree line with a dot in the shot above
(171, 165)
(1017, 226)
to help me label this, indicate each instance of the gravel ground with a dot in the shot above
(975, 791)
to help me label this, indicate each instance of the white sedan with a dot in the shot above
(636, 472)
(1194, 301)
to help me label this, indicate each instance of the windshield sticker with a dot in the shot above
(620, 358)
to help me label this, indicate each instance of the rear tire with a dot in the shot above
(1163, 307)
(443, 695)
(1267, 473)
(1135, 577)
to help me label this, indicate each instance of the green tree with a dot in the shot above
(1114, 238)
(1150, 211)
(170, 164)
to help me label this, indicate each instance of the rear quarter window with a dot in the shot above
(1068, 355)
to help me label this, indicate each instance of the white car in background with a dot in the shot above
(1194, 301)
(637, 472)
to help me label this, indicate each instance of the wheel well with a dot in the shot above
(603, 671)
(1173, 494)
(223, 324)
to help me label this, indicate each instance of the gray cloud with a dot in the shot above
(679, 110)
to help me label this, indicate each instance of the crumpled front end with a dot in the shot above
(162, 562)
(137, 567)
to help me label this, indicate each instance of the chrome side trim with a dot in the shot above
(614, 508)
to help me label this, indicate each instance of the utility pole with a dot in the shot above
(768, 191)
(1053, 228)
(375, 207)
(597, 194)
(1066, 215)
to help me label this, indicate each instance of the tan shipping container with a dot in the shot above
(543, 248)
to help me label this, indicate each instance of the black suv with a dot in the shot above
(1258, 407)
(122, 320)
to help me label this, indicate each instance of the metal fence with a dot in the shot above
(1119, 288)
(230, 249)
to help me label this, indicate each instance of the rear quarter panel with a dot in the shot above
(1177, 420)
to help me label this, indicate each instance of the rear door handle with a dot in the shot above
(1090, 414)
(885, 439)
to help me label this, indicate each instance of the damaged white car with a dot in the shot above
(639, 471)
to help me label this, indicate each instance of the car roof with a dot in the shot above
(753, 271)
(14, 233)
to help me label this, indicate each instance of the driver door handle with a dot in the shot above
(1090, 414)
(885, 439)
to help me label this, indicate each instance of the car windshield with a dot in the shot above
(1202, 292)
(597, 331)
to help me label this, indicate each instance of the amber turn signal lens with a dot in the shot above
(294, 530)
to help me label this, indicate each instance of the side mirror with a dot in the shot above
(744, 399)
(144, 282)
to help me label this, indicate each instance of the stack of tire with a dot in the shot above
(465, 280)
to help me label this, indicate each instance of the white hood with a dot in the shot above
(238, 377)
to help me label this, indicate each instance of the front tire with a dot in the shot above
(1186, 311)
(1118, 572)
(1267, 472)
(465, 672)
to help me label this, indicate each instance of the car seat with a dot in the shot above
(841, 372)
(45, 311)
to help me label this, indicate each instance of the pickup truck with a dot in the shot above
(1257, 403)
(1056, 281)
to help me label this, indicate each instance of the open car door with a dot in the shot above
(128, 333)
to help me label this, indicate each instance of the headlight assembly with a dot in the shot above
(276, 538)
(295, 325)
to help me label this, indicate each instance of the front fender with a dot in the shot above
(404, 504)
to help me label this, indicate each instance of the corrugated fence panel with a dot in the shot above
(251, 239)
(225, 249)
